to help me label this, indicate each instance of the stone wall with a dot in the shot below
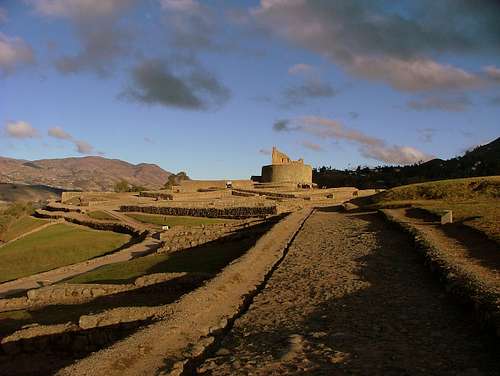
(96, 225)
(293, 172)
(229, 212)
(253, 192)
(157, 195)
(195, 185)
(69, 293)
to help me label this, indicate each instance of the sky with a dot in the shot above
(209, 87)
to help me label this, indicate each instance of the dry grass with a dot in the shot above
(474, 201)
(20, 226)
(101, 215)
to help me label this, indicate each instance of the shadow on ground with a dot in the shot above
(201, 262)
(400, 323)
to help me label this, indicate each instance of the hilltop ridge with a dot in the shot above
(85, 173)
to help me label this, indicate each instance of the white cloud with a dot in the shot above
(370, 147)
(443, 103)
(13, 53)
(492, 72)
(81, 147)
(414, 75)
(312, 146)
(181, 5)
(20, 129)
(300, 69)
(79, 8)
(58, 132)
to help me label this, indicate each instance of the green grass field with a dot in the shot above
(98, 214)
(171, 221)
(55, 246)
(474, 201)
(20, 226)
(209, 258)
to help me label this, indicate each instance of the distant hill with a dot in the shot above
(481, 161)
(86, 173)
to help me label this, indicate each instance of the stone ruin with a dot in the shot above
(284, 170)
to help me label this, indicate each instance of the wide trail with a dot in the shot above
(352, 297)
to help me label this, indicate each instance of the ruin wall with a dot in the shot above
(229, 212)
(294, 172)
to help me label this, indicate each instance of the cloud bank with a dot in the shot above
(14, 53)
(96, 25)
(369, 147)
(161, 82)
(377, 40)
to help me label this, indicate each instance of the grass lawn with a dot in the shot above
(98, 214)
(171, 221)
(20, 226)
(209, 258)
(474, 201)
(55, 246)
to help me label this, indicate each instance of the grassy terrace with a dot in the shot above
(207, 258)
(171, 221)
(474, 201)
(55, 246)
(101, 215)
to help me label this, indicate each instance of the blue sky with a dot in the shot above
(209, 87)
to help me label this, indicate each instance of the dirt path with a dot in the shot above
(126, 219)
(149, 245)
(352, 297)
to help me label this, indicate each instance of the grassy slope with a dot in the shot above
(53, 247)
(20, 226)
(171, 221)
(209, 258)
(475, 201)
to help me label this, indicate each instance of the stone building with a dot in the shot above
(284, 170)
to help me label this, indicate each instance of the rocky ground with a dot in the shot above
(352, 297)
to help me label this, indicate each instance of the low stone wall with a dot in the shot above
(55, 207)
(65, 338)
(468, 287)
(66, 293)
(266, 193)
(157, 195)
(243, 194)
(96, 225)
(195, 185)
(229, 212)
(93, 331)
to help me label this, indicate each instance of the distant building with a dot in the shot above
(284, 170)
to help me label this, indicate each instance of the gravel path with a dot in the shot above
(352, 297)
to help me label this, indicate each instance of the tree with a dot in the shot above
(122, 186)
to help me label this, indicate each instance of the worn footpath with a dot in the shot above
(352, 297)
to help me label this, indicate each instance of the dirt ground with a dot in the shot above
(353, 297)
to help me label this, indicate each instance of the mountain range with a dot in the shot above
(85, 173)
